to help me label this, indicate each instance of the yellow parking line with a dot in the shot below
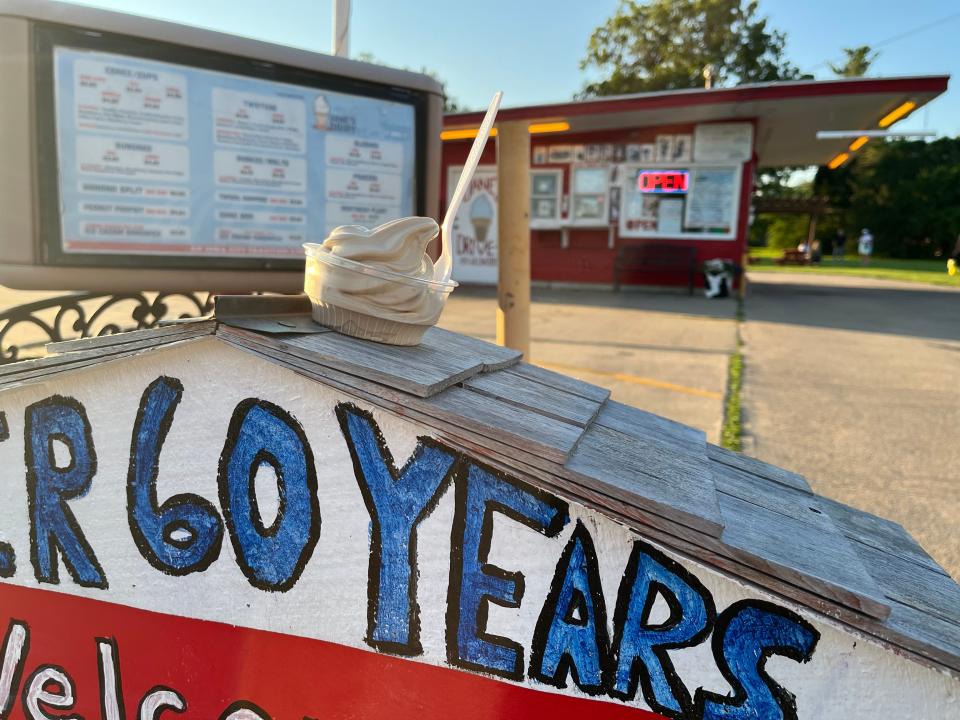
(636, 380)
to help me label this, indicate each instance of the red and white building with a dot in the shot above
(666, 167)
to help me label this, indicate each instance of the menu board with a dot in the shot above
(170, 160)
(711, 201)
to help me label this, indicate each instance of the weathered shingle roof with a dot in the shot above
(752, 520)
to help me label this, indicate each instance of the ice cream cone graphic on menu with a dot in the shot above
(481, 215)
(321, 112)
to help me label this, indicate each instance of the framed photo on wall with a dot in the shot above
(560, 153)
(664, 148)
(682, 148)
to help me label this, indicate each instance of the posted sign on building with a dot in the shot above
(475, 256)
(197, 531)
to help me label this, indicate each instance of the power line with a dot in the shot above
(896, 38)
(916, 30)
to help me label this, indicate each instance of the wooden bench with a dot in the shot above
(793, 257)
(656, 258)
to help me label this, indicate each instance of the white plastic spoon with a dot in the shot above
(444, 267)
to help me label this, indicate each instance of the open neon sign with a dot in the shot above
(662, 181)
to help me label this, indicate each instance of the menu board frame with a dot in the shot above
(628, 171)
(47, 37)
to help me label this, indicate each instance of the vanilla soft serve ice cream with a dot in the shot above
(377, 282)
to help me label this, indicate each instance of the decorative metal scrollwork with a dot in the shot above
(25, 329)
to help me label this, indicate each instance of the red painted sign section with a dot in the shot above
(212, 666)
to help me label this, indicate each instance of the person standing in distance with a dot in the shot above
(865, 246)
(839, 244)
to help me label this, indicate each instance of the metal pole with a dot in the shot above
(513, 236)
(811, 233)
(341, 28)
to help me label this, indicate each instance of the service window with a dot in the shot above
(589, 189)
(546, 187)
(692, 201)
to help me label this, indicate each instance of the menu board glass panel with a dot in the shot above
(167, 160)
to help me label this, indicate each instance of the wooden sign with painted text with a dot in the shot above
(198, 533)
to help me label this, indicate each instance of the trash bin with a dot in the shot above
(719, 274)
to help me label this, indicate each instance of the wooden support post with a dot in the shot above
(513, 236)
(812, 233)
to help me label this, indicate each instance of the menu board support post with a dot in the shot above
(513, 232)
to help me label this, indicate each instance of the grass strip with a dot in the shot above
(730, 435)
(927, 272)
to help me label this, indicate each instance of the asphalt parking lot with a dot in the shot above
(663, 352)
(855, 383)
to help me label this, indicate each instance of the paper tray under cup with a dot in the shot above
(333, 283)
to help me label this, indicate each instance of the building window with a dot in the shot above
(589, 189)
(546, 187)
(692, 201)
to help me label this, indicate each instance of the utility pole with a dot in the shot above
(709, 71)
(341, 28)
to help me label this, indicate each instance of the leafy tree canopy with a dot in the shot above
(907, 193)
(856, 63)
(666, 44)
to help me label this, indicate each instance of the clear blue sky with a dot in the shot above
(531, 49)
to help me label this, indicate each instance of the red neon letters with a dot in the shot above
(662, 181)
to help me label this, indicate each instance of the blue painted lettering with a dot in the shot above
(571, 634)
(474, 582)
(397, 502)
(640, 647)
(271, 558)
(184, 534)
(747, 634)
(50, 485)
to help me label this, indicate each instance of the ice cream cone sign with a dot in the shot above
(481, 215)
(321, 112)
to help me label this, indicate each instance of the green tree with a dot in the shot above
(906, 192)
(856, 63)
(787, 231)
(666, 44)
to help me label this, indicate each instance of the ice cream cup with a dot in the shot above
(338, 288)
